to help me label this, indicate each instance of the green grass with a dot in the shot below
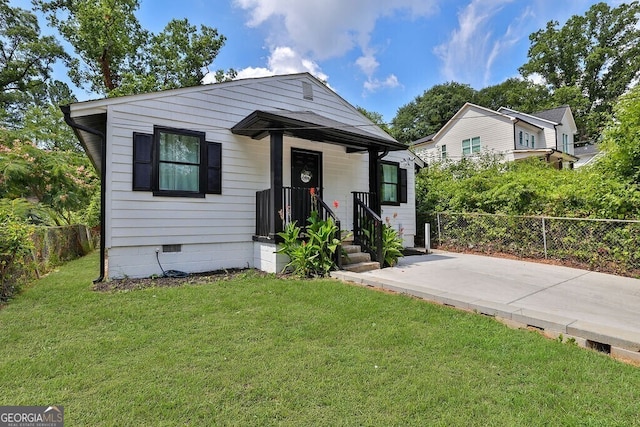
(266, 351)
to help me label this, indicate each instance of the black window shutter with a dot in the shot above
(214, 168)
(403, 186)
(142, 161)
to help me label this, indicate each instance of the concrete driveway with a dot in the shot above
(598, 310)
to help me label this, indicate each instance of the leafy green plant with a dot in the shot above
(391, 245)
(15, 245)
(311, 253)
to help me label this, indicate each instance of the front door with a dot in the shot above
(306, 173)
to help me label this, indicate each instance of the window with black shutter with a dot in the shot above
(214, 168)
(393, 184)
(403, 186)
(176, 162)
(142, 161)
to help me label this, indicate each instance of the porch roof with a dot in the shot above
(314, 127)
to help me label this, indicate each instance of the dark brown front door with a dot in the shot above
(306, 173)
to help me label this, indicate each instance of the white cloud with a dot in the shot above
(330, 28)
(282, 60)
(470, 53)
(373, 85)
(368, 64)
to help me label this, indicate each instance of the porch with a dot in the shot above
(298, 204)
(281, 204)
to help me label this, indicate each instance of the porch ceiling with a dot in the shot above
(314, 127)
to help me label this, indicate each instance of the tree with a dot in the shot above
(105, 34)
(375, 118)
(621, 140)
(515, 93)
(26, 59)
(118, 57)
(598, 53)
(62, 180)
(44, 126)
(427, 113)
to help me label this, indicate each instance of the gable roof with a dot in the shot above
(553, 115)
(468, 105)
(88, 119)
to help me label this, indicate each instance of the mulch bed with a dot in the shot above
(128, 284)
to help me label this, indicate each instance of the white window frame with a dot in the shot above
(473, 146)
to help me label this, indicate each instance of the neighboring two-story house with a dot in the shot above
(514, 135)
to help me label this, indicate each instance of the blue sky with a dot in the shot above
(378, 54)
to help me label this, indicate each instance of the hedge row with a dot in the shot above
(26, 251)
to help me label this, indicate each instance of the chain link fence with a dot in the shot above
(611, 246)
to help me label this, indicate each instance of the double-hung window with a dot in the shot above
(176, 162)
(526, 139)
(443, 152)
(565, 143)
(180, 156)
(470, 146)
(393, 185)
(533, 141)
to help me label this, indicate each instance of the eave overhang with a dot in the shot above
(90, 141)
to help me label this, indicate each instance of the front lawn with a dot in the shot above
(267, 351)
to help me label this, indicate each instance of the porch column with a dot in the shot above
(374, 180)
(275, 224)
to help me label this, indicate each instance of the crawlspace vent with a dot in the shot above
(171, 248)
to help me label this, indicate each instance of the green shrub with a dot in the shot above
(391, 245)
(15, 246)
(311, 254)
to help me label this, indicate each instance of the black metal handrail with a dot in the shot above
(367, 226)
(298, 203)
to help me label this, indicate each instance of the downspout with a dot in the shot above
(66, 111)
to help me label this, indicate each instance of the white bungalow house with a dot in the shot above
(203, 178)
(474, 129)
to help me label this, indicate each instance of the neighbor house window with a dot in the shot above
(520, 137)
(443, 151)
(471, 146)
(533, 141)
(393, 185)
(176, 162)
(565, 142)
(526, 139)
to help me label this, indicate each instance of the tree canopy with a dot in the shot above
(621, 140)
(515, 93)
(116, 56)
(428, 112)
(26, 59)
(599, 53)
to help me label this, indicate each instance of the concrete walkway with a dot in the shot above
(598, 310)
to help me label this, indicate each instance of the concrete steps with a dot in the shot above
(355, 260)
